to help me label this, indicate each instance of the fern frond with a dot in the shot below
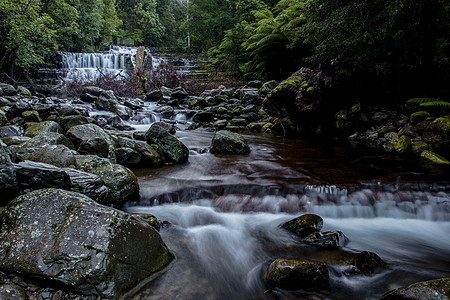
(422, 100)
(440, 103)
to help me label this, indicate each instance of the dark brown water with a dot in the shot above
(224, 213)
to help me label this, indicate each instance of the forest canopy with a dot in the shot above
(263, 39)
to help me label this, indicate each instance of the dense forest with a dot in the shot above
(385, 44)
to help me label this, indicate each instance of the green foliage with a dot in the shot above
(430, 102)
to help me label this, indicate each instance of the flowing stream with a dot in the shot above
(220, 216)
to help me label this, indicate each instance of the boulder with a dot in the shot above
(171, 128)
(437, 134)
(8, 181)
(88, 184)
(403, 144)
(15, 140)
(121, 181)
(96, 146)
(79, 244)
(349, 262)
(172, 149)
(433, 158)
(122, 111)
(36, 175)
(203, 117)
(107, 101)
(42, 128)
(88, 98)
(419, 116)
(9, 130)
(296, 273)
(227, 142)
(93, 90)
(48, 138)
(3, 118)
(23, 91)
(165, 111)
(326, 239)
(179, 93)
(31, 116)
(267, 87)
(154, 96)
(150, 157)
(427, 290)
(418, 146)
(17, 109)
(134, 103)
(74, 120)
(304, 225)
(8, 90)
(83, 133)
(128, 156)
(57, 155)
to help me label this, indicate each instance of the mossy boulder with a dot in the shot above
(433, 158)
(418, 146)
(296, 273)
(227, 142)
(173, 150)
(304, 225)
(403, 144)
(36, 175)
(88, 184)
(80, 134)
(419, 116)
(78, 244)
(122, 183)
(57, 155)
(42, 128)
(437, 289)
(437, 134)
(150, 157)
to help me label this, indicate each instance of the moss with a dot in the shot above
(433, 158)
(356, 108)
(310, 89)
(403, 144)
(419, 116)
(444, 124)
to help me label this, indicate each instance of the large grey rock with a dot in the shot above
(88, 184)
(73, 120)
(57, 155)
(39, 141)
(93, 90)
(128, 156)
(9, 130)
(121, 181)
(150, 157)
(8, 90)
(296, 273)
(173, 150)
(68, 239)
(96, 146)
(8, 181)
(36, 175)
(227, 142)
(83, 133)
(42, 128)
(107, 101)
(437, 289)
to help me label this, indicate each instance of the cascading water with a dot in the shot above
(221, 218)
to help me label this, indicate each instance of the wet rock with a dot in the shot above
(57, 155)
(227, 142)
(437, 134)
(379, 116)
(107, 101)
(36, 175)
(31, 116)
(419, 116)
(12, 292)
(45, 139)
(23, 91)
(8, 181)
(418, 147)
(150, 157)
(15, 140)
(296, 273)
(173, 150)
(154, 96)
(88, 184)
(9, 130)
(179, 93)
(304, 225)
(74, 120)
(203, 117)
(93, 90)
(134, 103)
(165, 111)
(403, 144)
(171, 128)
(267, 87)
(122, 111)
(84, 133)
(17, 109)
(86, 97)
(427, 290)
(408, 130)
(349, 262)
(326, 239)
(8, 90)
(121, 181)
(3, 119)
(96, 146)
(128, 156)
(42, 128)
(433, 158)
(79, 244)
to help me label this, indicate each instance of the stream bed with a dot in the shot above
(221, 214)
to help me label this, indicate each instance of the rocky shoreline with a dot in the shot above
(64, 172)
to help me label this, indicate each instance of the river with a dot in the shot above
(221, 217)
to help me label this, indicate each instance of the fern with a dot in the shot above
(430, 102)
